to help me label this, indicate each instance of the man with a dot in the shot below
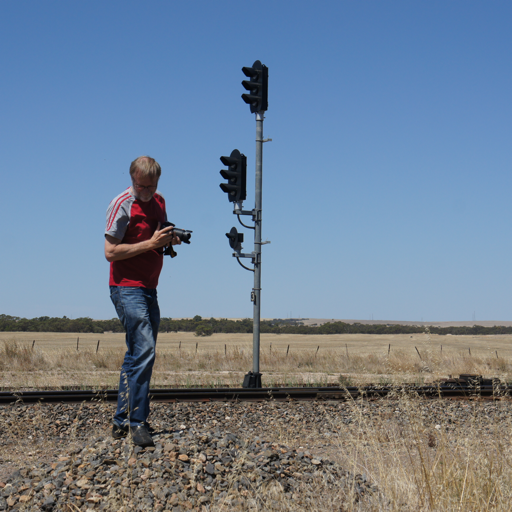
(133, 246)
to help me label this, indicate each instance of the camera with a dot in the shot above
(183, 234)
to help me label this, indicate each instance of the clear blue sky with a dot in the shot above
(387, 186)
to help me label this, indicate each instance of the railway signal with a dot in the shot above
(235, 188)
(235, 239)
(257, 85)
(236, 174)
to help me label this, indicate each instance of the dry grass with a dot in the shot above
(421, 467)
(50, 359)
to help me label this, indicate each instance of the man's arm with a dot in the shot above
(115, 250)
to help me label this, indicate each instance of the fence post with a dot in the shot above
(317, 349)
(418, 353)
(77, 340)
(33, 343)
(97, 346)
(287, 350)
(389, 348)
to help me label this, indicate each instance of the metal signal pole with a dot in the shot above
(256, 295)
(236, 190)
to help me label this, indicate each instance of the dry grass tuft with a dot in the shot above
(21, 357)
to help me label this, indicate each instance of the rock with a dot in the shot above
(48, 504)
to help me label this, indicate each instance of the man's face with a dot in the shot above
(144, 187)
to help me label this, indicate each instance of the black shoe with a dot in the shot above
(119, 432)
(141, 437)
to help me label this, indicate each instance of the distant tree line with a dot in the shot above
(53, 324)
(206, 327)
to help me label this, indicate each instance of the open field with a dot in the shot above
(358, 344)
(32, 360)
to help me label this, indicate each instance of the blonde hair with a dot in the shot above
(146, 166)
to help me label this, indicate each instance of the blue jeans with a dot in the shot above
(138, 310)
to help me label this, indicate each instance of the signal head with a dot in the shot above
(257, 87)
(236, 174)
(235, 239)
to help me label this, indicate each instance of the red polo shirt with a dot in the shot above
(133, 221)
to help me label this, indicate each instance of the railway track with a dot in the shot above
(464, 387)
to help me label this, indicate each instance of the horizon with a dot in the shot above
(319, 321)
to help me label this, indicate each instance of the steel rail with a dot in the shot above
(463, 387)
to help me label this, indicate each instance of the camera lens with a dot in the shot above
(183, 235)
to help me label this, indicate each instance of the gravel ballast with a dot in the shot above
(208, 456)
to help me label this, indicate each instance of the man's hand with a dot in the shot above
(163, 237)
(167, 235)
(176, 240)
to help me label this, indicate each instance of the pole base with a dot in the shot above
(252, 380)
